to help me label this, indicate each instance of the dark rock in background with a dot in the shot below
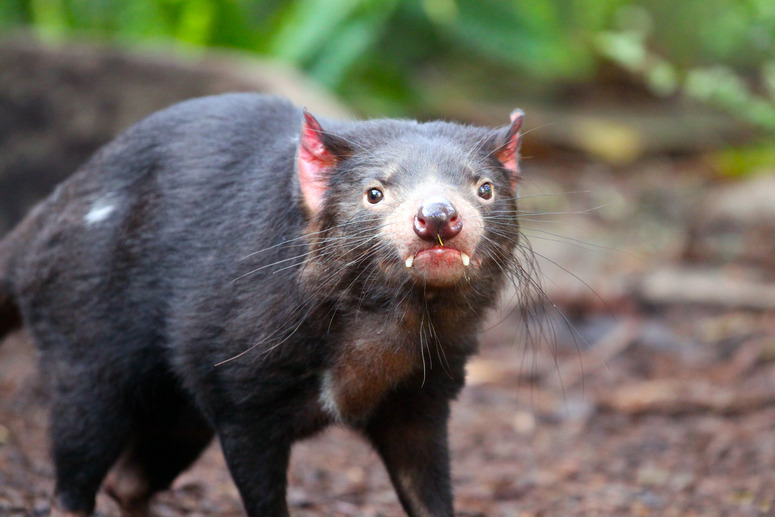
(58, 104)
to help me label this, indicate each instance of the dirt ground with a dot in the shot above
(649, 390)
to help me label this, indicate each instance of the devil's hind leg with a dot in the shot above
(160, 450)
(89, 430)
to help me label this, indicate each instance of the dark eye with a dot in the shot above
(485, 190)
(374, 195)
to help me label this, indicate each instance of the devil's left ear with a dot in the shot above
(507, 146)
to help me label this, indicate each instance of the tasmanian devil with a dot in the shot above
(232, 266)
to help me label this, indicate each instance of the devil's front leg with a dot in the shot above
(409, 431)
(257, 457)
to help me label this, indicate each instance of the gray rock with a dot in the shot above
(58, 104)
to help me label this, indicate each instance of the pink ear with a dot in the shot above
(507, 152)
(315, 161)
(509, 145)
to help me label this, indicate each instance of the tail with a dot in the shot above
(10, 317)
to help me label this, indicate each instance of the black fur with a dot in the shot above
(177, 287)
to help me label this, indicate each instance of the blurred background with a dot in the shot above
(644, 380)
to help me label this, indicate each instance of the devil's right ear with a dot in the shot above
(318, 155)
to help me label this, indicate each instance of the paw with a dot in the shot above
(129, 489)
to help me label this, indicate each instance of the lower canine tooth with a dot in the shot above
(410, 261)
(466, 259)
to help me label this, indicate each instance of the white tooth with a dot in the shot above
(466, 259)
(410, 261)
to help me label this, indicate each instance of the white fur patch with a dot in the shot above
(327, 397)
(100, 210)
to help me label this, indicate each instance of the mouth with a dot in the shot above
(439, 254)
(439, 265)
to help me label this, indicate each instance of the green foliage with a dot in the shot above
(708, 49)
(394, 56)
(745, 161)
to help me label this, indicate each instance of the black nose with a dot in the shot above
(436, 218)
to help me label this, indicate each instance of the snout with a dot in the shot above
(437, 220)
(435, 231)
